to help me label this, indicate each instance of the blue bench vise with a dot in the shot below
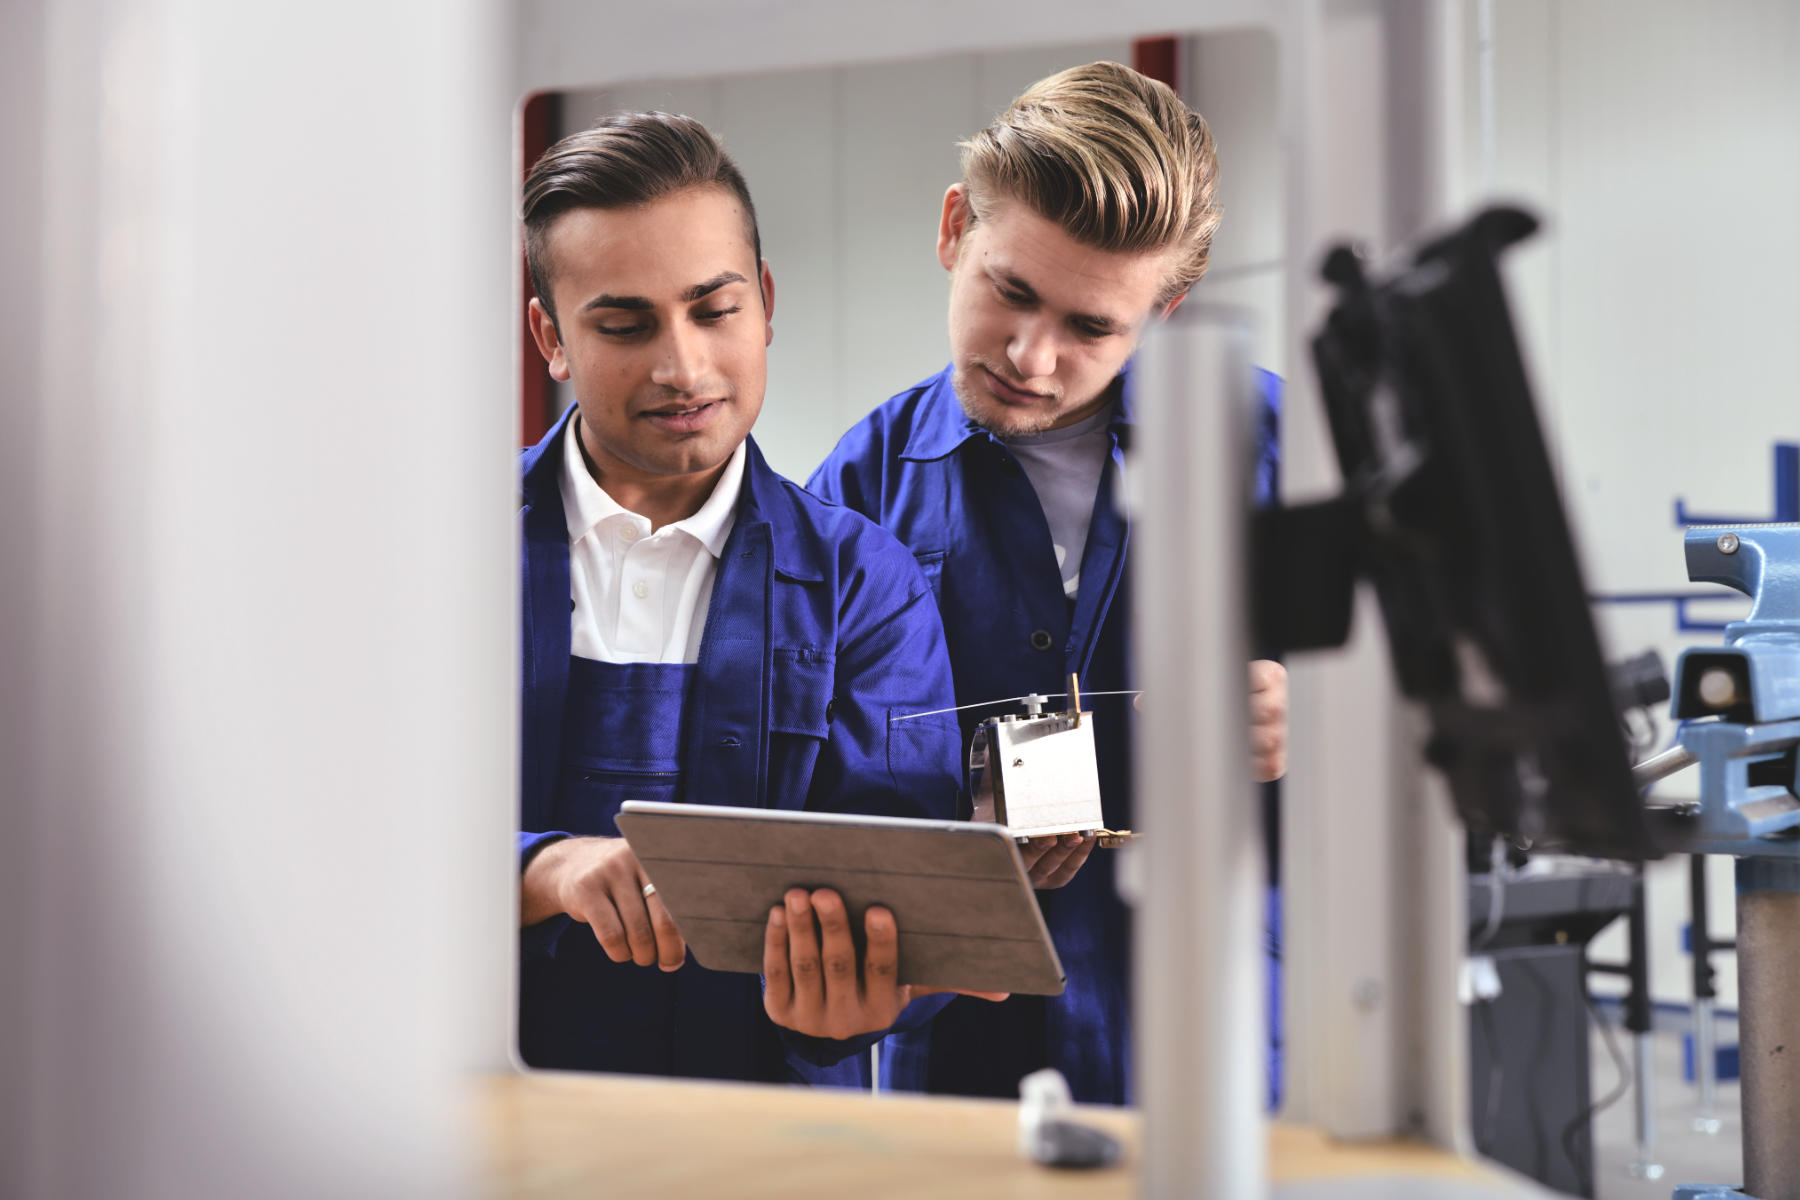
(1741, 705)
(1741, 700)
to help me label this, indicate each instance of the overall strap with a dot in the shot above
(725, 747)
(544, 653)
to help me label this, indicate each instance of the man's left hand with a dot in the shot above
(1052, 861)
(1268, 719)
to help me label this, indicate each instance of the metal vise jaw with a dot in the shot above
(1749, 687)
(1036, 772)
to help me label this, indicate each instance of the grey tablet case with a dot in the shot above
(958, 890)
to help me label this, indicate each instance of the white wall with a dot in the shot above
(1232, 78)
(575, 44)
(1661, 143)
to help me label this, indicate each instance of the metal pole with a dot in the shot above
(1661, 766)
(1706, 1050)
(1200, 1040)
(1644, 1165)
(1637, 1020)
(1706, 1120)
(1768, 908)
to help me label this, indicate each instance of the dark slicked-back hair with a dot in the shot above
(625, 160)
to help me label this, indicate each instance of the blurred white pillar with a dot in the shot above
(21, 212)
(1373, 883)
(1199, 962)
(258, 625)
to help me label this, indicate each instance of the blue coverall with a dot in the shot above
(820, 629)
(963, 505)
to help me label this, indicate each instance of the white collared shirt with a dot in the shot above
(641, 597)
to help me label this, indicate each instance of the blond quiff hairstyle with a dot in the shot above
(1114, 158)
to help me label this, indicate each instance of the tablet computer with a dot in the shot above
(958, 890)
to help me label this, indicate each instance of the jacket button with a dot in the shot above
(830, 707)
(1041, 639)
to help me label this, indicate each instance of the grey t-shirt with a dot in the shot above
(1064, 466)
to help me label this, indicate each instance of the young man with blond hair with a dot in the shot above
(1085, 212)
(696, 628)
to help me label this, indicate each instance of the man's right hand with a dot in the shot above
(598, 881)
(818, 983)
(1052, 861)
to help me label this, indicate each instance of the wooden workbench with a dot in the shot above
(593, 1135)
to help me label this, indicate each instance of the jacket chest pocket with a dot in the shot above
(800, 715)
(931, 562)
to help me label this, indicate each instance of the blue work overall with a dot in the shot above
(622, 741)
(957, 498)
(820, 630)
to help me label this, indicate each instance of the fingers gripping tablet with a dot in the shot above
(959, 893)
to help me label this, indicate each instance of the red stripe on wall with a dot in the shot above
(1158, 58)
(538, 118)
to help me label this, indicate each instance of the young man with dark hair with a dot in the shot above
(696, 628)
(1084, 213)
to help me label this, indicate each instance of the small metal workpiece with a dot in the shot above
(1036, 772)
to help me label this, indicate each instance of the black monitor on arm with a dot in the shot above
(1451, 510)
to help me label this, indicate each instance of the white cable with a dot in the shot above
(1009, 700)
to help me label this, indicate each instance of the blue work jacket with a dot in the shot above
(960, 501)
(820, 629)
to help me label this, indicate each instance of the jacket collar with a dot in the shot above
(1125, 415)
(768, 499)
(587, 505)
(762, 499)
(538, 465)
(941, 426)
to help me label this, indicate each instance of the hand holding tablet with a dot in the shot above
(952, 899)
(812, 981)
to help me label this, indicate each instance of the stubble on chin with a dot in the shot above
(990, 414)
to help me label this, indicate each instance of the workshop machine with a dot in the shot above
(1450, 509)
(1740, 704)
